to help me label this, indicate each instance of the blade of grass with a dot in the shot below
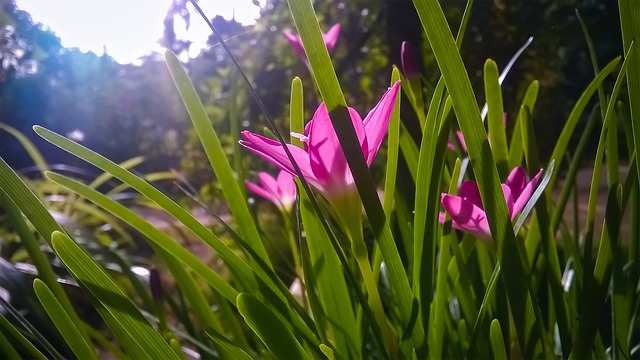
(548, 239)
(576, 113)
(498, 140)
(142, 340)
(217, 158)
(598, 285)
(630, 25)
(595, 179)
(31, 149)
(63, 322)
(7, 328)
(516, 148)
(270, 328)
(27, 202)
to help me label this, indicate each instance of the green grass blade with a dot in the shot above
(498, 137)
(516, 147)
(296, 111)
(229, 348)
(31, 149)
(270, 328)
(142, 340)
(27, 202)
(63, 322)
(576, 113)
(510, 252)
(7, 350)
(393, 151)
(609, 119)
(497, 342)
(7, 328)
(127, 164)
(235, 126)
(598, 286)
(332, 287)
(547, 235)
(630, 25)
(217, 157)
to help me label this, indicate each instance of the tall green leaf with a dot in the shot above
(217, 157)
(136, 335)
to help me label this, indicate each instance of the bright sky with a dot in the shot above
(128, 29)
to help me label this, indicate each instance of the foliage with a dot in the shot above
(395, 282)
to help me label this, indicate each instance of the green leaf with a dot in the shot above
(630, 25)
(516, 149)
(16, 196)
(597, 287)
(229, 348)
(576, 113)
(331, 285)
(296, 111)
(7, 328)
(497, 342)
(31, 149)
(495, 118)
(217, 157)
(136, 335)
(270, 328)
(63, 322)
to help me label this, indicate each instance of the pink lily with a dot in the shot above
(280, 190)
(322, 162)
(330, 38)
(467, 212)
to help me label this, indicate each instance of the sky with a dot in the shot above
(128, 29)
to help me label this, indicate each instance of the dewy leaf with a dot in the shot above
(137, 336)
(217, 157)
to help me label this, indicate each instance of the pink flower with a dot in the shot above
(330, 38)
(467, 212)
(281, 190)
(322, 162)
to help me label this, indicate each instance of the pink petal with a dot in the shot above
(268, 182)
(296, 44)
(286, 188)
(254, 188)
(509, 199)
(463, 144)
(331, 36)
(526, 194)
(273, 152)
(470, 192)
(516, 181)
(325, 154)
(466, 216)
(376, 123)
